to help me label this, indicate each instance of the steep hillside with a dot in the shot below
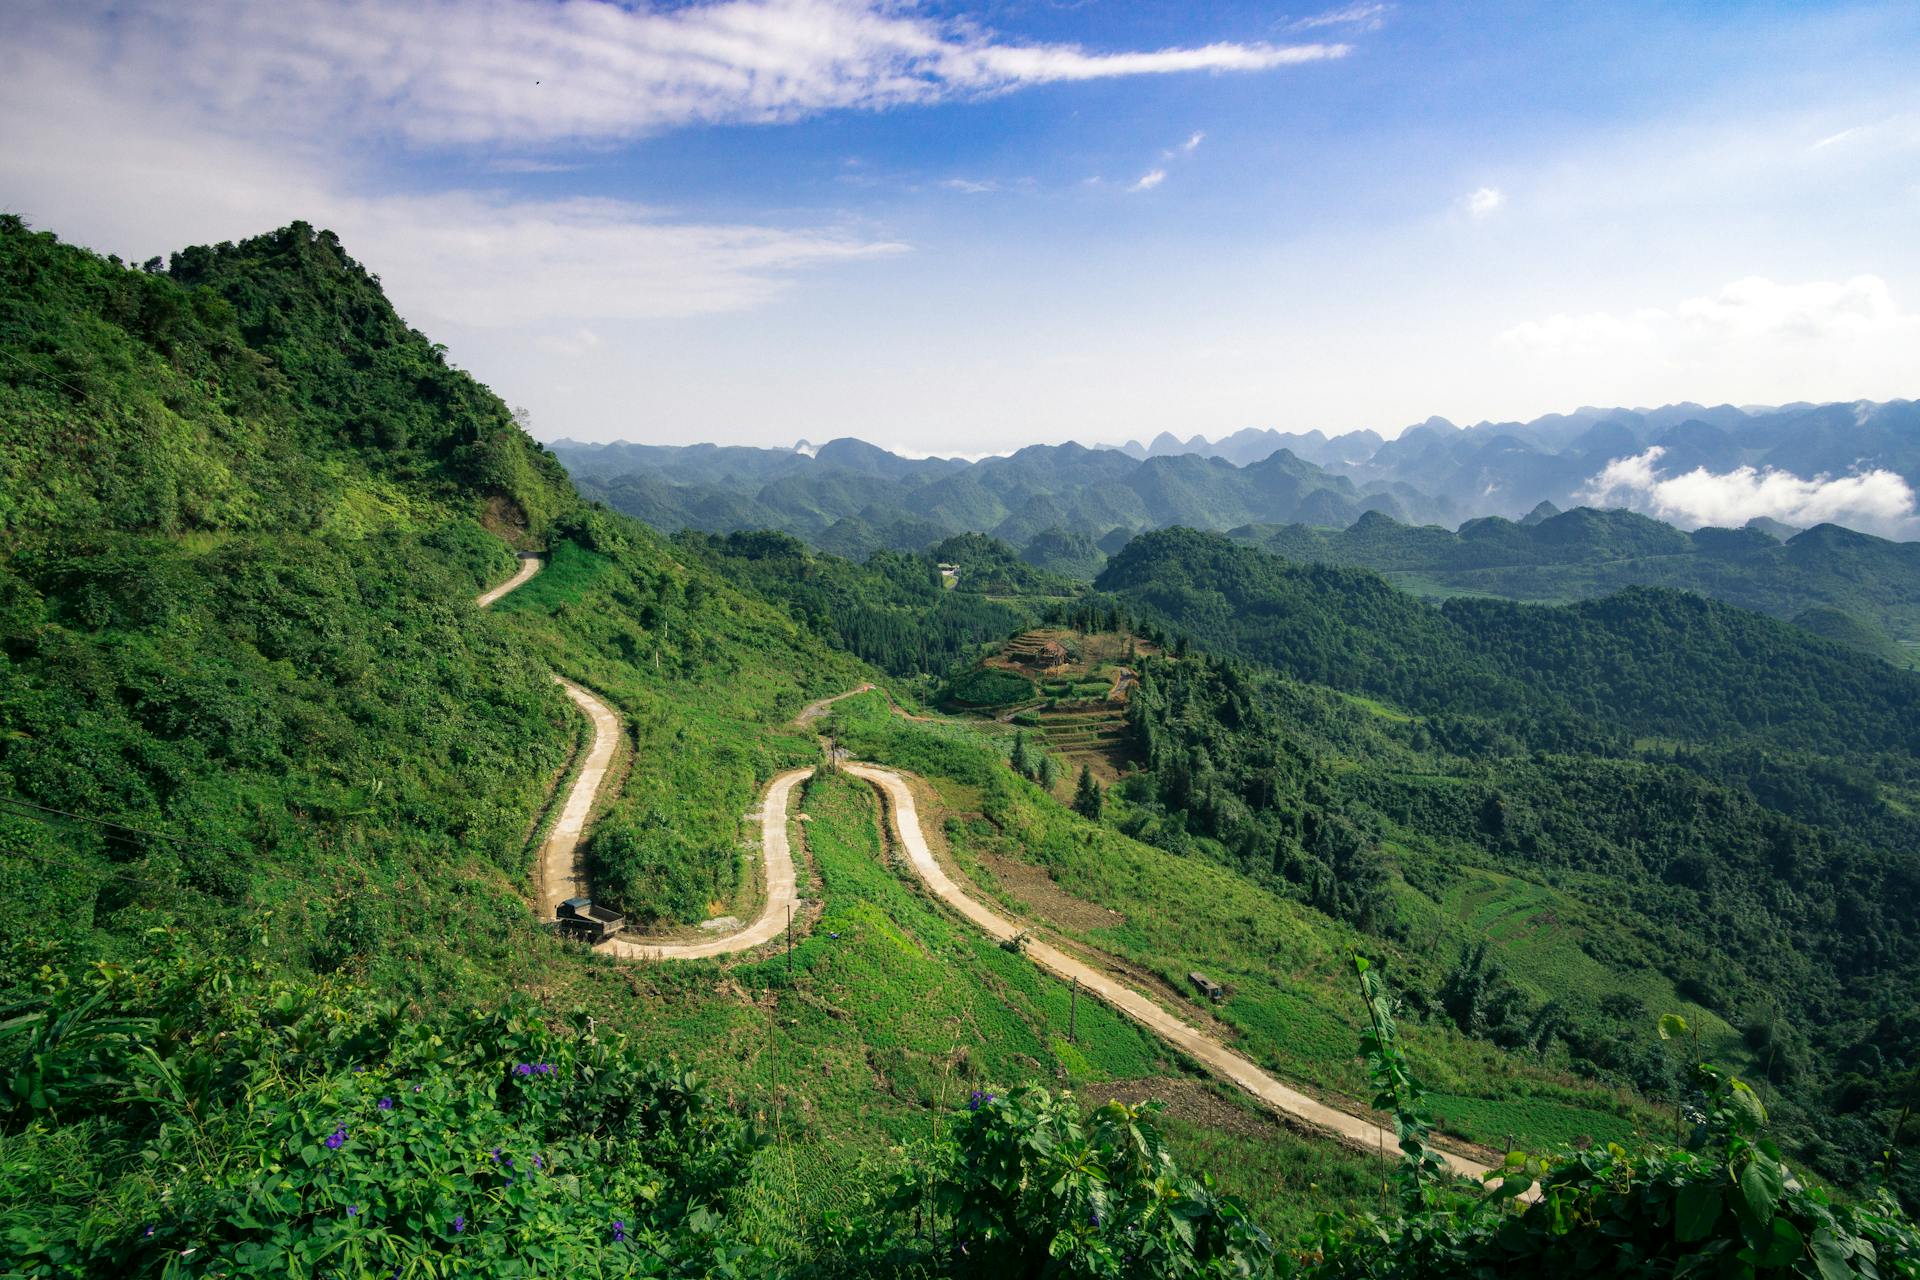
(270, 787)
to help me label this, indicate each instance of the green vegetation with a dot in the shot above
(1628, 666)
(1583, 553)
(1162, 915)
(1754, 877)
(893, 611)
(187, 1117)
(260, 757)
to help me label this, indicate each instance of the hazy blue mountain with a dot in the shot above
(1433, 472)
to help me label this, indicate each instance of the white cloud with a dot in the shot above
(1149, 180)
(1187, 148)
(523, 72)
(123, 176)
(1593, 334)
(1748, 312)
(1876, 501)
(1484, 202)
(968, 186)
(1368, 17)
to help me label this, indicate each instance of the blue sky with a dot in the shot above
(963, 228)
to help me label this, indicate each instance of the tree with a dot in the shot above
(1021, 758)
(1087, 796)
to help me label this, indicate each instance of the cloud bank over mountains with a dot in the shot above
(1876, 501)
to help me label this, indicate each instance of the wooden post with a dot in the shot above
(1073, 1014)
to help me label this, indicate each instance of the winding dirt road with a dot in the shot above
(782, 895)
(529, 565)
(562, 876)
(563, 872)
(1209, 1053)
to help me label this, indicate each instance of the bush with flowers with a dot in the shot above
(191, 1117)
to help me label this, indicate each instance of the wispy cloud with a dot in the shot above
(1149, 180)
(1484, 202)
(1187, 148)
(1366, 17)
(968, 186)
(532, 71)
(1877, 501)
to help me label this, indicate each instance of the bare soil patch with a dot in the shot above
(1195, 1101)
(1034, 889)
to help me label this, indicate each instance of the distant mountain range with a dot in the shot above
(852, 497)
(1552, 458)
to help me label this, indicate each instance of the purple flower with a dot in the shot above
(619, 1230)
(524, 1069)
(496, 1155)
(459, 1223)
(147, 1234)
(386, 1104)
(973, 1102)
(337, 1139)
(507, 1161)
(353, 1211)
(416, 1088)
(358, 1070)
(537, 1164)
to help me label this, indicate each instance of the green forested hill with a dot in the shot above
(1738, 794)
(1640, 663)
(1584, 553)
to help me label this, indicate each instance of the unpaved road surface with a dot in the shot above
(782, 896)
(529, 565)
(1215, 1057)
(562, 869)
(814, 710)
(563, 872)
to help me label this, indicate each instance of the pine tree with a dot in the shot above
(1021, 760)
(1087, 796)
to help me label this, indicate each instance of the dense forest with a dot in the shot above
(272, 999)
(1801, 933)
(1586, 553)
(1644, 662)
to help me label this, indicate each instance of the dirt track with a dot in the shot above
(562, 876)
(1209, 1053)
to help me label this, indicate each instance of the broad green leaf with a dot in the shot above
(1830, 1256)
(1696, 1209)
(1672, 1026)
(1761, 1183)
(1786, 1244)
